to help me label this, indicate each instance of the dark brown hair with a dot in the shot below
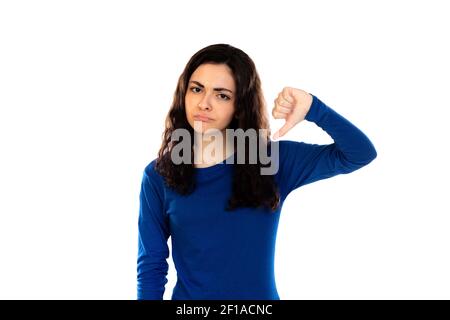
(250, 188)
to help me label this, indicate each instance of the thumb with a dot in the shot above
(283, 130)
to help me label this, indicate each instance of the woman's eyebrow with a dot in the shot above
(215, 89)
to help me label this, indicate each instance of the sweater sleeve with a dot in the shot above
(153, 233)
(303, 163)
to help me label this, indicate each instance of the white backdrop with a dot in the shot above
(84, 90)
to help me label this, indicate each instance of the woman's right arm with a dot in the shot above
(153, 231)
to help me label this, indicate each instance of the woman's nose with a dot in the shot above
(204, 103)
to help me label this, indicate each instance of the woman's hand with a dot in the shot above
(291, 104)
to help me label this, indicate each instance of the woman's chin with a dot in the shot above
(206, 129)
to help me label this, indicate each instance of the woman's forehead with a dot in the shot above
(210, 75)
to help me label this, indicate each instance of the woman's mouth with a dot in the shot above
(201, 118)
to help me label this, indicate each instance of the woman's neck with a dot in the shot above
(211, 152)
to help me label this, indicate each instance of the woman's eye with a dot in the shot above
(223, 96)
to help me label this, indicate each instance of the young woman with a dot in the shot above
(222, 218)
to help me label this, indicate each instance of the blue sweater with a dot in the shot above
(230, 255)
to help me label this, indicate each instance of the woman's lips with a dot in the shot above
(201, 118)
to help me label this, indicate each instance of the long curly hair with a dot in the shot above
(250, 188)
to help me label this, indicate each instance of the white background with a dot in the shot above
(84, 90)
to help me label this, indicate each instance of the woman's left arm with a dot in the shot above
(296, 105)
(304, 163)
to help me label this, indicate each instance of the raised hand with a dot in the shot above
(291, 104)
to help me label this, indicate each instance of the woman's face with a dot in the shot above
(210, 93)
